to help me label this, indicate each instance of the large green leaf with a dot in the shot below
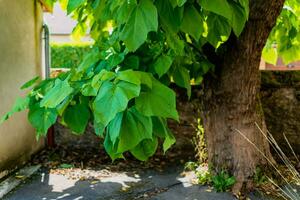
(129, 76)
(159, 101)
(110, 148)
(220, 7)
(124, 11)
(135, 128)
(30, 83)
(235, 12)
(114, 59)
(239, 18)
(114, 128)
(99, 128)
(88, 90)
(42, 88)
(41, 118)
(73, 4)
(63, 106)
(291, 54)
(161, 130)
(170, 17)
(178, 3)
(77, 117)
(192, 22)
(57, 94)
(270, 55)
(128, 129)
(245, 5)
(135, 77)
(88, 60)
(181, 77)
(92, 87)
(142, 20)
(19, 105)
(145, 149)
(112, 99)
(218, 29)
(175, 43)
(162, 64)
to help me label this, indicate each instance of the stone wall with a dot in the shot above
(280, 94)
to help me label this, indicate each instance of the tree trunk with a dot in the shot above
(231, 102)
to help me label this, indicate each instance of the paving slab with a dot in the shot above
(16, 178)
(150, 184)
(196, 192)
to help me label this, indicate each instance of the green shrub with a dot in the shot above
(68, 55)
(223, 181)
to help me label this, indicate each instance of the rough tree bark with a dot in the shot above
(231, 99)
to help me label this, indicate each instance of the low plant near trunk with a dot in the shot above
(141, 46)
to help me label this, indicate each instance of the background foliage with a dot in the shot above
(68, 55)
(284, 40)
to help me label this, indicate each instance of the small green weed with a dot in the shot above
(223, 181)
(259, 177)
(192, 166)
(66, 166)
(201, 171)
(203, 174)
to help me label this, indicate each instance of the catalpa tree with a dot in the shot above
(141, 46)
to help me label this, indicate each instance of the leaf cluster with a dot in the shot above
(128, 108)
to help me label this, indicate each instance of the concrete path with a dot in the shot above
(117, 186)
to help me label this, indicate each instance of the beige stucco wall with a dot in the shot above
(20, 27)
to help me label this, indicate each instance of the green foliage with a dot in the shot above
(162, 65)
(191, 15)
(41, 118)
(68, 55)
(259, 177)
(117, 96)
(223, 181)
(114, 105)
(75, 121)
(141, 21)
(73, 4)
(122, 84)
(57, 94)
(236, 13)
(270, 55)
(20, 105)
(157, 101)
(192, 166)
(203, 174)
(30, 83)
(145, 149)
(66, 166)
(284, 40)
(161, 130)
